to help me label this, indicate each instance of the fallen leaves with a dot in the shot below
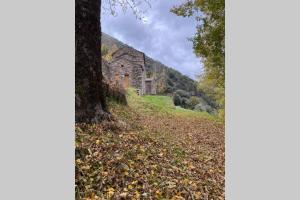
(110, 192)
(156, 157)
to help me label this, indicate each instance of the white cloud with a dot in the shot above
(161, 35)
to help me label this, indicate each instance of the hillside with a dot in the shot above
(153, 150)
(168, 80)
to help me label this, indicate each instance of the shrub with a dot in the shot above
(177, 100)
(116, 92)
(200, 107)
(204, 107)
(192, 102)
(183, 93)
(184, 102)
(104, 50)
(170, 83)
(221, 115)
(169, 89)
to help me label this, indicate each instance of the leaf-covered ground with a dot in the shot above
(153, 151)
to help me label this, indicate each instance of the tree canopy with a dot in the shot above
(208, 42)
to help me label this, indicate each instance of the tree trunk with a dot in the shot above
(90, 105)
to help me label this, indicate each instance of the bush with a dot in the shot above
(221, 115)
(170, 83)
(115, 92)
(104, 50)
(177, 100)
(169, 89)
(183, 93)
(180, 100)
(202, 107)
(184, 102)
(192, 102)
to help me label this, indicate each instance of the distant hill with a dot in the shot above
(168, 80)
(110, 41)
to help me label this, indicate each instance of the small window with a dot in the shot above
(122, 65)
(148, 75)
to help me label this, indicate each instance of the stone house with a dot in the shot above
(127, 69)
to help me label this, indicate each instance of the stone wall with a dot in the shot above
(127, 69)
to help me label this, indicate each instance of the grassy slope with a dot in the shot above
(165, 104)
(155, 151)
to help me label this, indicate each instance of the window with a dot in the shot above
(148, 75)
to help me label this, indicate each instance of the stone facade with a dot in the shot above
(127, 69)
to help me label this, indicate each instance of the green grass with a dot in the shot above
(161, 105)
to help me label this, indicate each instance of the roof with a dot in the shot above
(139, 57)
(129, 50)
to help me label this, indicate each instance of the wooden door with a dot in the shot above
(126, 81)
(148, 87)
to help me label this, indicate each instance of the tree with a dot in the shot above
(208, 43)
(209, 40)
(90, 104)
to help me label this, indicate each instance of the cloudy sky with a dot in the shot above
(161, 35)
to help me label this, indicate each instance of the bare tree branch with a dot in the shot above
(136, 6)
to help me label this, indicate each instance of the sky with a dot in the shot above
(161, 35)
